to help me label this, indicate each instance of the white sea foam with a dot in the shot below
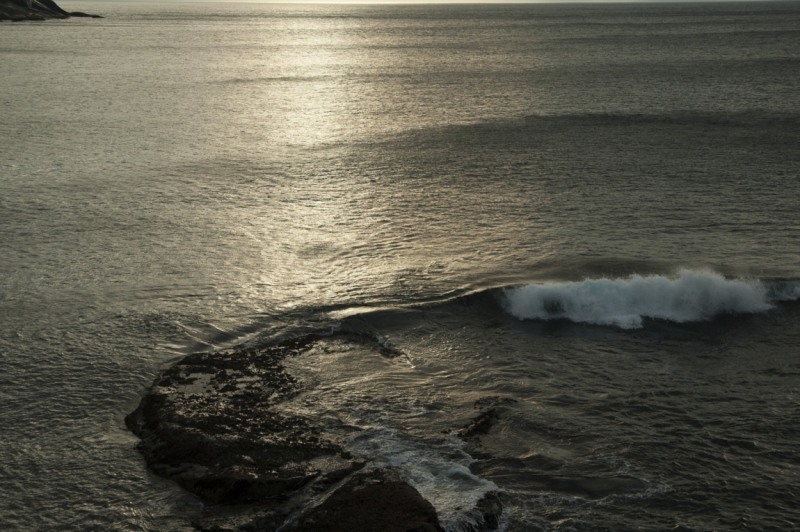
(690, 296)
(439, 471)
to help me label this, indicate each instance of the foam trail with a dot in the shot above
(691, 296)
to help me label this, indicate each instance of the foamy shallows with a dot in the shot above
(438, 470)
(690, 296)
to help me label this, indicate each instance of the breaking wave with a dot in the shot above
(690, 296)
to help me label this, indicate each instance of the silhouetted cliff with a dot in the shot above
(17, 10)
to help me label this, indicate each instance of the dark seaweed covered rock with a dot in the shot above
(213, 423)
(209, 423)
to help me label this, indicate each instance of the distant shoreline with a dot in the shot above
(22, 10)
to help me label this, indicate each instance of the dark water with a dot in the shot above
(584, 215)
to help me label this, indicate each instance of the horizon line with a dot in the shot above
(429, 2)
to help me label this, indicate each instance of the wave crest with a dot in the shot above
(691, 296)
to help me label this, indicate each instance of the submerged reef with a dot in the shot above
(19, 10)
(213, 423)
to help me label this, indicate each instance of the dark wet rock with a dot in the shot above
(479, 425)
(377, 500)
(489, 508)
(210, 424)
(21, 10)
(491, 409)
(214, 423)
(374, 501)
(487, 513)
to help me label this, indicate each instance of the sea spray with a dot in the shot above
(690, 296)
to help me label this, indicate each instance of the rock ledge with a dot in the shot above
(212, 424)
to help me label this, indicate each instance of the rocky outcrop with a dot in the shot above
(209, 423)
(213, 423)
(378, 500)
(19, 10)
(489, 412)
(489, 508)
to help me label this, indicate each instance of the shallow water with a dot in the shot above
(186, 177)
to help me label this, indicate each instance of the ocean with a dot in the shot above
(585, 216)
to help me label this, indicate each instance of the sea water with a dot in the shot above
(584, 216)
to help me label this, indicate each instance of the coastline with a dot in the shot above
(189, 177)
(212, 423)
(36, 10)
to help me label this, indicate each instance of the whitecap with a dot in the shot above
(689, 296)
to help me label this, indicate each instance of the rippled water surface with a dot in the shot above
(585, 216)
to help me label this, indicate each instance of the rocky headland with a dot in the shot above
(213, 424)
(20, 10)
